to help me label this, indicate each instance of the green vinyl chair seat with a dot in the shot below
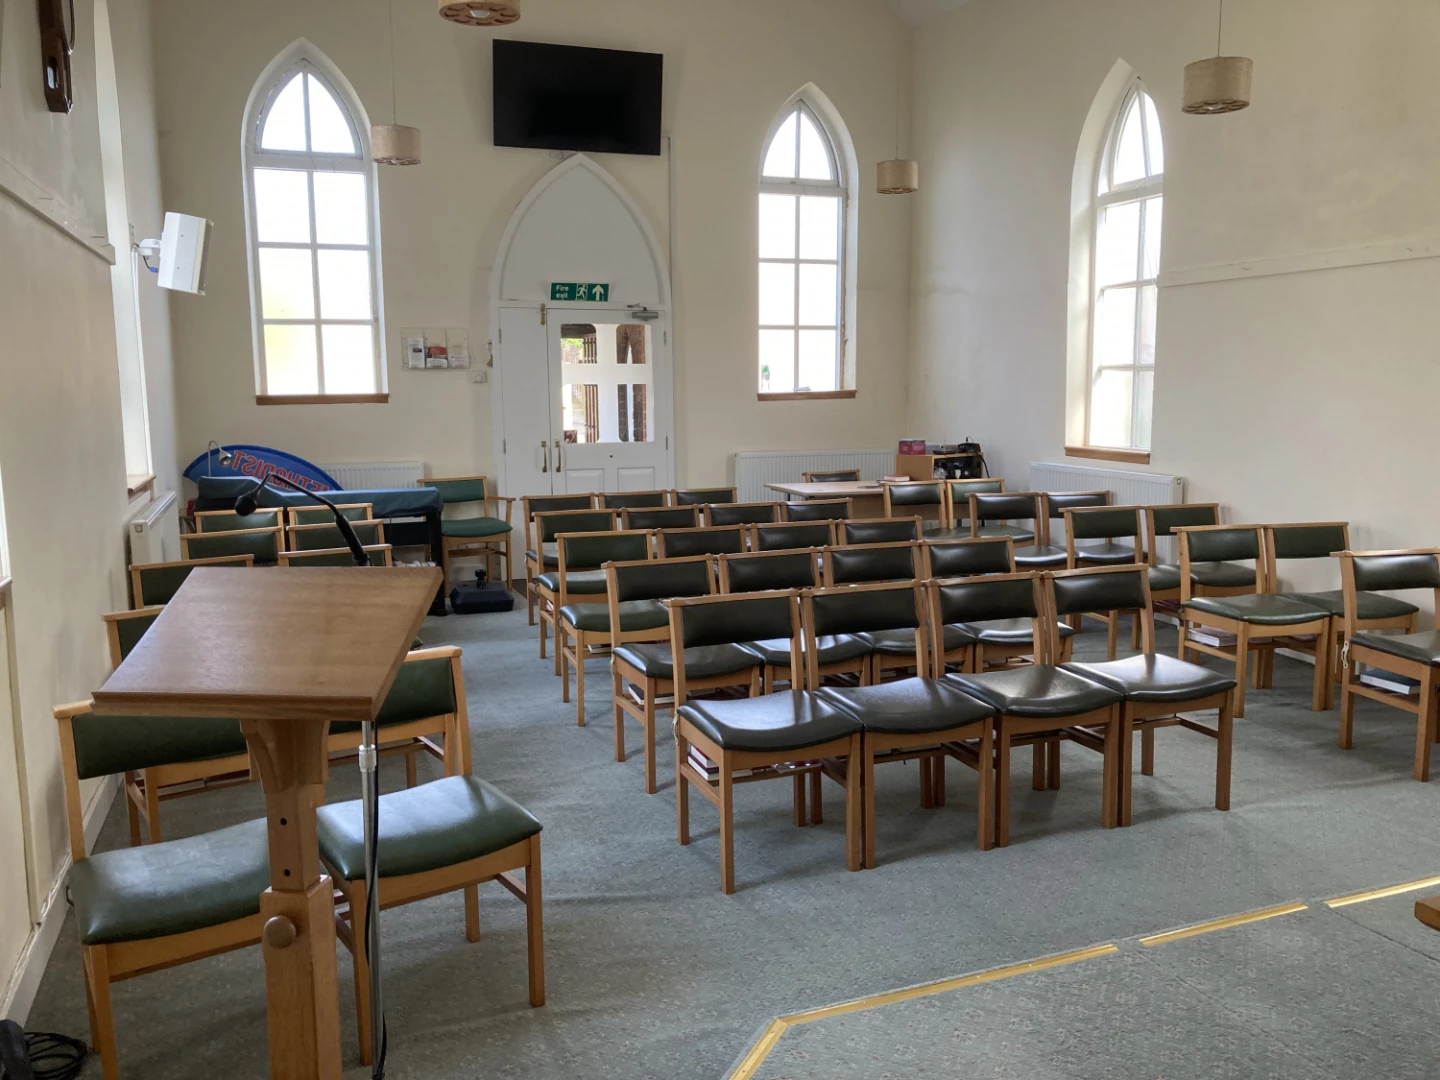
(890, 642)
(1037, 692)
(634, 615)
(1258, 609)
(1018, 533)
(1368, 605)
(1008, 631)
(774, 723)
(1166, 578)
(1423, 648)
(1155, 679)
(909, 706)
(132, 894)
(474, 528)
(1105, 554)
(830, 649)
(1040, 557)
(428, 827)
(551, 558)
(581, 582)
(422, 689)
(106, 745)
(656, 661)
(939, 533)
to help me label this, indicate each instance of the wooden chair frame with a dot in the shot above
(186, 539)
(292, 531)
(842, 529)
(942, 509)
(762, 766)
(111, 963)
(137, 588)
(625, 514)
(543, 599)
(602, 499)
(1075, 560)
(876, 664)
(662, 534)
(295, 515)
(675, 494)
(777, 673)
(485, 547)
(289, 558)
(786, 510)
(207, 515)
(1426, 706)
(966, 657)
(832, 476)
(707, 513)
(534, 567)
(1171, 597)
(955, 512)
(1248, 637)
(1041, 524)
(756, 530)
(1328, 643)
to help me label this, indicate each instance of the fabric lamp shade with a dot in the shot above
(394, 144)
(897, 177)
(1220, 84)
(481, 12)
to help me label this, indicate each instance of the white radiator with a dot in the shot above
(154, 531)
(1126, 489)
(377, 474)
(753, 470)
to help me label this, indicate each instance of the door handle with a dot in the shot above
(544, 457)
(559, 457)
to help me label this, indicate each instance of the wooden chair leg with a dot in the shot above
(1181, 631)
(355, 894)
(867, 793)
(132, 812)
(1126, 766)
(682, 789)
(1320, 689)
(472, 913)
(1242, 658)
(927, 791)
(1112, 632)
(579, 655)
(542, 632)
(651, 690)
(817, 798)
(1135, 630)
(1223, 749)
(799, 784)
(535, 924)
(854, 804)
(727, 825)
(1425, 725)
(618, 688)
(1147, 752)
(562, 661)
(937, 778)
(1040, 765)
(530, 594)
(412, 776)
(152, 808)
(1002, 787)
(102, 1019)
(985, 795)
(1052, 766)
(1347, 704)
(1110, 773)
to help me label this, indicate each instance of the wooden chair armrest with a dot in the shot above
(79, 708)
(440, 652)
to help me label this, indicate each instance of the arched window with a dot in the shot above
(1126, 249)
(802, 257)
(313, 236)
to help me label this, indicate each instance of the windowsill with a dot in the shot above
(1109, 453)
(322, 399)
(817, 395)
(137, 483)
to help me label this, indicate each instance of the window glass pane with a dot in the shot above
(1156, 140)
(1129, 161)
(581, 406)
(780, 159)
(290, 361)
(1117, 256)
(777, 294)
(1146, 406)
(349, 359)
(1115, 328)
(818, 300)
(777, 361)
(282, 206)
(814, 157)
(329, 130)
(287, 288)
(285, 123)
(340, 208)
(1147, 324)
(817, 360)
(345, 285)
(1110, 407)
(819, 227)
(1154, 220)
(777, 226)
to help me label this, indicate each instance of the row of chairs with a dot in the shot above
(154, 584)
(269, 535)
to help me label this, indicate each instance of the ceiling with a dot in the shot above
(916, 12)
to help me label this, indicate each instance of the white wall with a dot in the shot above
(729, 69)
(1303, 395)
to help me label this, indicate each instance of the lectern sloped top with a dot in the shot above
(284, 643)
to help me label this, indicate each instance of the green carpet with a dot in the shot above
(651, 972)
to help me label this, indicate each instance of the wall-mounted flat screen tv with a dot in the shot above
(560, 97)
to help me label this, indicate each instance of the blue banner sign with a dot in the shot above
(261, 461)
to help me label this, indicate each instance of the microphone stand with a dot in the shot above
(369, 792)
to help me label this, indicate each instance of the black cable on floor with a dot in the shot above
(39, 1055)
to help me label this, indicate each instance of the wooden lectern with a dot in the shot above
(284, 651)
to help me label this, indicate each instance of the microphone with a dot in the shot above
(246, 505)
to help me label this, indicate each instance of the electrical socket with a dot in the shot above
(480, 376)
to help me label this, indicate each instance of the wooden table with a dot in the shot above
(284, 651)
(868, 502)
(1428, 911)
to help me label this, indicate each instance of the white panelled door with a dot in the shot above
(525, 386)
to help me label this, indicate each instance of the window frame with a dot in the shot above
(839, 186)
(267, 92)
(1135, 191)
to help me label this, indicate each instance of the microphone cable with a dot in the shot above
(39, 1055)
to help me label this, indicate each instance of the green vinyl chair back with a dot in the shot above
(1005, 506)
(322, 537)
(816, 510)
(679, 543)
(376, 554)
(216, 521)
(742, 513)
(157, 583)
(467, 489)
(623, 500)
(668, 517)
(985, 599)
(881, 531)
(769, 571)
(967, 558)
(1220, 543)
(551, 523)
(124, 629)
(957, 493)
(735, 619)
(1162, 521)
(262, 544)
(871, 563)
(106, 745)
(321, 515)
(702, 496)
(917, 493)
(1103, 523)
(833, 476)
(1078, 592)
(1386, 572)
(591, 551)
(813, 534)
(1318, 541)
(863, 609)
(662, 579)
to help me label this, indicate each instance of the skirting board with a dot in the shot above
(24, 982)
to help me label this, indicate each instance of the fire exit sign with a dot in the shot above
(587, 292)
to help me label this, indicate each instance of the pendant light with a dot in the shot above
(481, 12)
(1220, 84)
(394, 144)
(897, 176)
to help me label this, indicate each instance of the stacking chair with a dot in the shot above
(991, 514)
(833, 476)
(1207, 579)
(322, 537)
(975, 643)
(143, 909)
(920, 719)
(813, 534)
(1043, 553)
(1036, 705)
(449, 835)
(773, 736)
(1256, 620)
(321, 515)
(873, 563)
(703, 496)
(1415, 657)
(644, 670)
(1103, 523)
(957, 502)
(668, 517)
(925, 499)
(957, 559)
(378, 554)
(816, 510)
(621, 500)
(213, 521)
(539, 560)
(761, 513)
(262, 545)
(879, 531)
(582, 620)
(157, 583)
(487, 535)
(1156, 689)
(680, 543)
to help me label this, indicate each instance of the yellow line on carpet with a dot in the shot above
(1224, 924)
(1381, 894)
(760, 1051)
